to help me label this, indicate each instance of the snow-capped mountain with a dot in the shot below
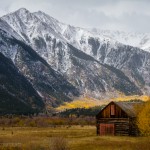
(77, 71)
(62, 62)
(49, 84)
(140, 40)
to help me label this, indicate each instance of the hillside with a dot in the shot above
(17, 96)
(62, 62)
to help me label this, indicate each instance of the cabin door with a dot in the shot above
(107, 129)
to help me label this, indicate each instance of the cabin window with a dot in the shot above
(112, 110)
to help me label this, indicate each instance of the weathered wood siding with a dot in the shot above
(108, 129)
(121, 125)
(112, 111)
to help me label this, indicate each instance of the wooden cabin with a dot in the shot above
(118, 118)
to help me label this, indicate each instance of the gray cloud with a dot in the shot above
(126, 15)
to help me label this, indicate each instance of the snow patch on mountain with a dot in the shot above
(140, 40)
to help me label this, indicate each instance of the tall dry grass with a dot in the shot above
(72, 138)
(59, 143)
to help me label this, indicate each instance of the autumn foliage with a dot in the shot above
(143, 120)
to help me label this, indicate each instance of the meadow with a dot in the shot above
(66, 138)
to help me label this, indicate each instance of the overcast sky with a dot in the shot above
(125, 15)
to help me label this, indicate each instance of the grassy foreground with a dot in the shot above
(75, 137)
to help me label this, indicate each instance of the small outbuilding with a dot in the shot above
(118, 118)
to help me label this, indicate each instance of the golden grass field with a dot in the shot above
(75, 137)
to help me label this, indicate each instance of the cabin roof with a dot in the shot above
(127, 107)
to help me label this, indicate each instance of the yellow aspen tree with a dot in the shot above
(143, 120)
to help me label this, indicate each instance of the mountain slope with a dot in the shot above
(63, 62)
(134, 62)
(51, 85)
(16, 94)
(140, 40)
(49, 38)
(81, 70)
(96, 79)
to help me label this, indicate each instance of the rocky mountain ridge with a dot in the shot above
(63, 62)
(135, 39)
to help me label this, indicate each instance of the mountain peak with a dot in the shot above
(43, 16)
(22, 13)
(40, 12)
(23, 10)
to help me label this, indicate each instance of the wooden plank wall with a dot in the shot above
(121, 126)
(106, 112)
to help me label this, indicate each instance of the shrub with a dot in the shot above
(59, 143)
(143, 120)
